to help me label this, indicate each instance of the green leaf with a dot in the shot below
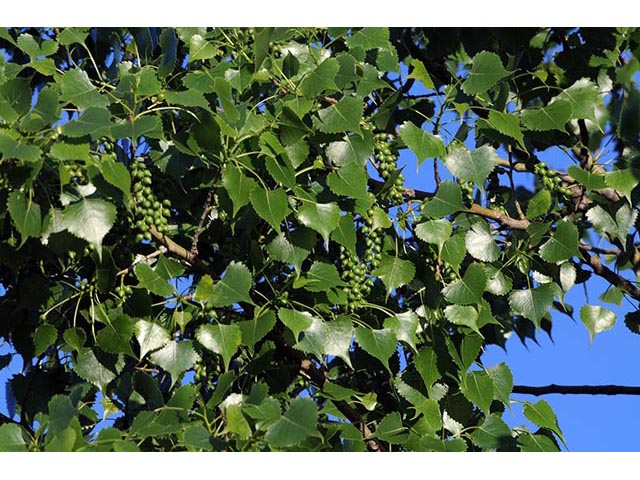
(508, 125)
(592, 181)
(380, 344)
(168, 269)
(337, 336)
(465, 316)
(584, 98)
(448, 200)
(69, 36)
(486, 71)
(187, 98)
(419, 72)
(498, 282)
(597, 319)
(405, 326)
(175, 358)
(197, 437)
(116, 174)
(539, 204)
(254, 330)
(281, 171)
(236, 422)
(492, 434)
(99, 372)
(320, 79)
(94, 121)
(480, 243)
(270, 205)
(542, 414)
(169, 46)
(34, 49)
(15, 98)
(368, 38)
(625, 220)
(349, 180)
(536, 443)
(532, 303)
(454, 251)
(434, 231)
(321, 217)
(115, 337)
(282, 250)
(150, 336)
(221, 339)
(601, 220)
(422, 143)
(477, 387)
(353, 149)
(345, 233)
(75, 337)
(14, 149)
(426, 362)
(44, 337)
(295, 321)
(25, 214)
(12, 438)
(298, 423)
(343, 116)
(394, 272)
(474, 166)
(568, 276)
(502, 382)
(390, 429)
(45, 112)
(238, 186)
(152, 281)
(562, 245)
(201, 49)
(322, 277)
(552, 117)
(469, 289)
(233, 287)
(623, 181)
(149, 125)
(77, 89)
(90, 219)
(435, 444)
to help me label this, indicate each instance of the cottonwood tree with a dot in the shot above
(208, 243)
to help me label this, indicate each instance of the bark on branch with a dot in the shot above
(576, 390)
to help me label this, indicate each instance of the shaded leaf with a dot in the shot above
(298, 423)
(380, 344)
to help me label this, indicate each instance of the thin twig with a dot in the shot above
(521, 214)
(205, 213)
(577, 390)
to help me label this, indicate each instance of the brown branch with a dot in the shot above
(174, 248)
(499, 217)
(576, 390)
(309, 370)
(205, 213)
(609, 275)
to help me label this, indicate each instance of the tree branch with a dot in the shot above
(609, 275)
(317, 377)
(205, 213)
(576, 390)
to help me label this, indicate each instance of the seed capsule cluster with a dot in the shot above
(356, 271)
(551, 180)
(77, 171)
(386, 153)
(150, 212)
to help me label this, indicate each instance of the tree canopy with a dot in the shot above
(207, 242)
